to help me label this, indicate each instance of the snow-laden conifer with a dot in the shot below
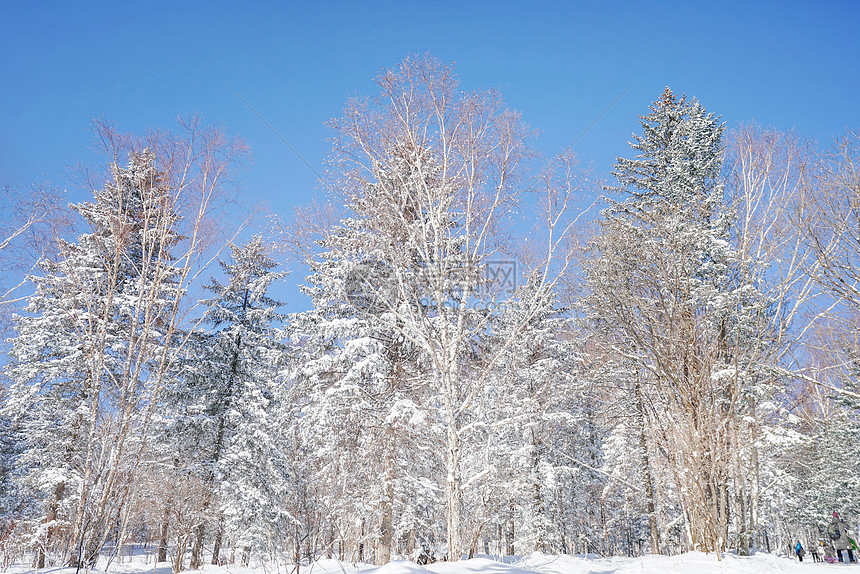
(228, 401)
(670, 287)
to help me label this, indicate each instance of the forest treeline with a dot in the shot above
(486, 366)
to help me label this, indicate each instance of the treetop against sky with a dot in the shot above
(563, 65)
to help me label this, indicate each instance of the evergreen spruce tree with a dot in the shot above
(519, 412)
(826, 472)
(367, 413)
(228, 402)
(12, 500)
(664, 280)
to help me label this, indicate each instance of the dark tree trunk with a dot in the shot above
(509, 536)
(51, 516)
(650, 501)
(216, 548)
(162, 541)
(197, 550)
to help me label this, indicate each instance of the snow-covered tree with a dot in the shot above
(12, 500)
(227, 399)
(664, 281)
(87, 343)
(366, 416)
(96, 341)
(788, 231)
(430, 173)
(530, 433)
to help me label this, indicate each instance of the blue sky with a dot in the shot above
(783, 64)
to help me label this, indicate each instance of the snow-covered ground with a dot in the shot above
(691, 563)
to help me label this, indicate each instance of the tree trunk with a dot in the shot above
(179, 559)
(197, 550)
(360, 544)
(78, 534)
(741, 520)
(217, 448)
(51, 516)
(538, 510)
(385, 534)
(453, 486)
(385, 539)
(165, 521)
(509, 535)
(724, 518)
(216, 547)
(650, 499)
(754, 498)
(162, 539)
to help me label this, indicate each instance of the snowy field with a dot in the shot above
(691, 563)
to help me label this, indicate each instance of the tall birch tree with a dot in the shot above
(96, 344)
(431, 173)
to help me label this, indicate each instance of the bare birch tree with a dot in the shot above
(769, 173)
(32, 219)
(430, 175)
(107, 314)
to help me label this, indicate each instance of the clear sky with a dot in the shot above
(782, 64)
